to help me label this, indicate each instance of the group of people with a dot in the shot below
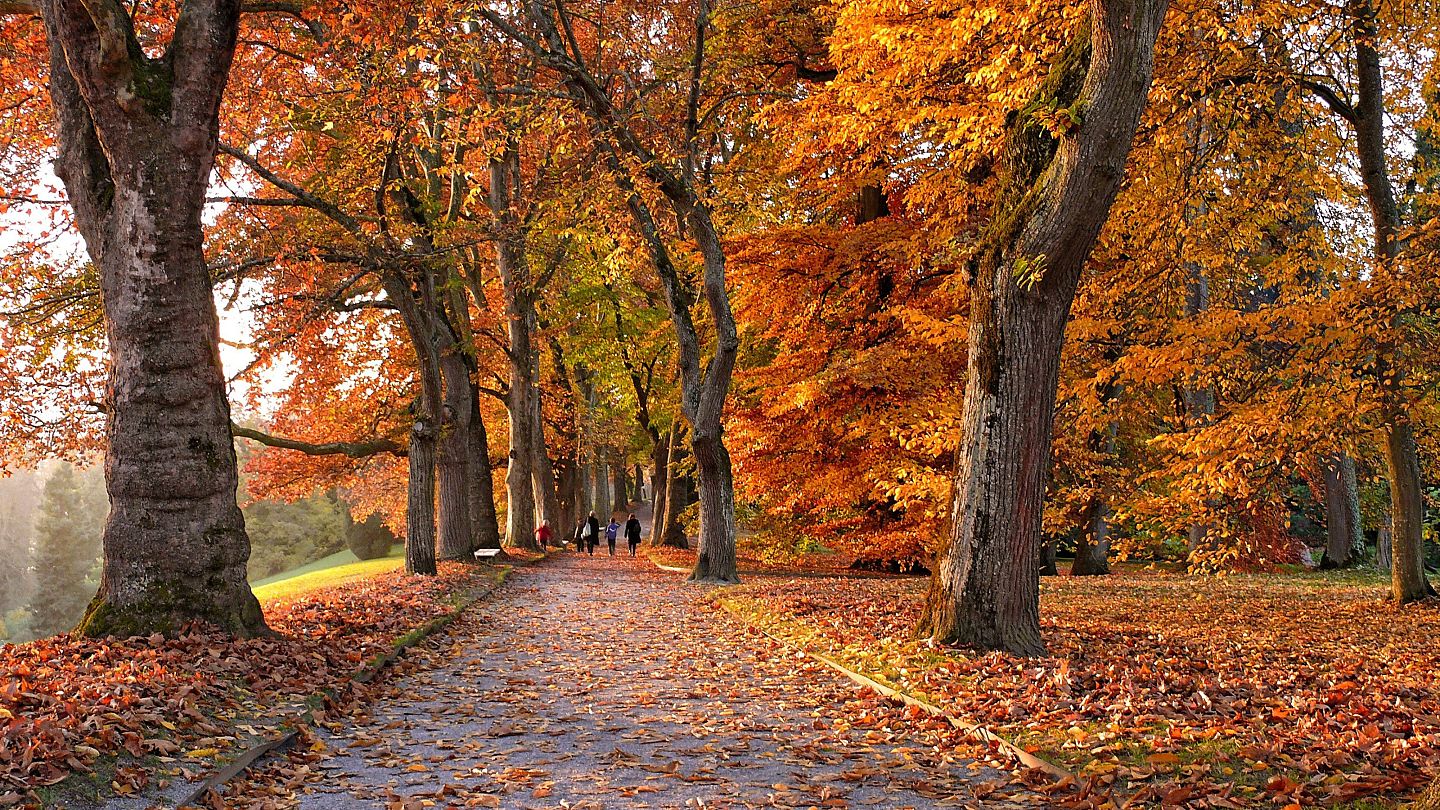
(588, 532)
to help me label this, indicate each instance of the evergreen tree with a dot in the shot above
(67, 543)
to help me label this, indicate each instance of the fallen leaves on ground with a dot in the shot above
(67, 703)
(599, 682)
(1169, 689)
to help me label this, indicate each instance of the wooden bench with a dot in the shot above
(486, 553)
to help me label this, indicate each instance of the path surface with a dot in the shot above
(603, 683)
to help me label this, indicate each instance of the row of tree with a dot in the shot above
(920, 240)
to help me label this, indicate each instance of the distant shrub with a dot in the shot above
(370, 539)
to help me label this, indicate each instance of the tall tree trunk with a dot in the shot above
(1092, 538)
(514, 273)
(1407, 515)
(583, 503)
(1344, 540)
(483, 518)
(677, 493)
(136, 144)
(1092, 542)
(1055, 196)
(659, 486)
(420, 502)
(457, 533)
(705, 405)
(600, 478)
(1048, 563)
(638, 493)
(547, 494)
(620, 497)
(1407, 498)
(568, 505)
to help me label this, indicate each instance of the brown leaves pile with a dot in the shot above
(67, 703)
(1170, 689)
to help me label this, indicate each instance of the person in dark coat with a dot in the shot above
(593, 536)
(632, 533)
(580, 536)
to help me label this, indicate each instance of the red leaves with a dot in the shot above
(66, 702)
(1180, 691)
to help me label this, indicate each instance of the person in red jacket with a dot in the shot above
(543, 534)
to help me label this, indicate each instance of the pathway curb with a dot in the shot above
(365, 674)
(981, 733)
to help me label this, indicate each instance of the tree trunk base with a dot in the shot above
(166, 609)
(1421, 595)
(693, 579)
(943, 623)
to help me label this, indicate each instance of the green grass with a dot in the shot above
(324, 573)
(345, 557)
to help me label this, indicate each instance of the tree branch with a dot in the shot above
(360, 449)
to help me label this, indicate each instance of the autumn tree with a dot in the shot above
(674, 160)
(136, 107)
(1058, 180)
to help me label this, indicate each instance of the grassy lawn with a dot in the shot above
(324, 573)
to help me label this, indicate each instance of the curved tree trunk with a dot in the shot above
(175, 547)
(1056, 194)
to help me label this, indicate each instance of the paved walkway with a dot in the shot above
(603, 683)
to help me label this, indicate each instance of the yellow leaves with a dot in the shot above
(202, 753)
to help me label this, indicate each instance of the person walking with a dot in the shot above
(632, 533)
(580, 534)
(611, 532)
(543, 534)
(592, 533)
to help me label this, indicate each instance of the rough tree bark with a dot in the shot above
(600, 480)
(1344, 540)
(1055, 196)
(420, 499)
(1092, 540)
(453, 460)
(547, 493)
(483, 518)
(514, 271)
(659, 486)
(677, 492)
(416, 306)
(136, 142)
(620, 487)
